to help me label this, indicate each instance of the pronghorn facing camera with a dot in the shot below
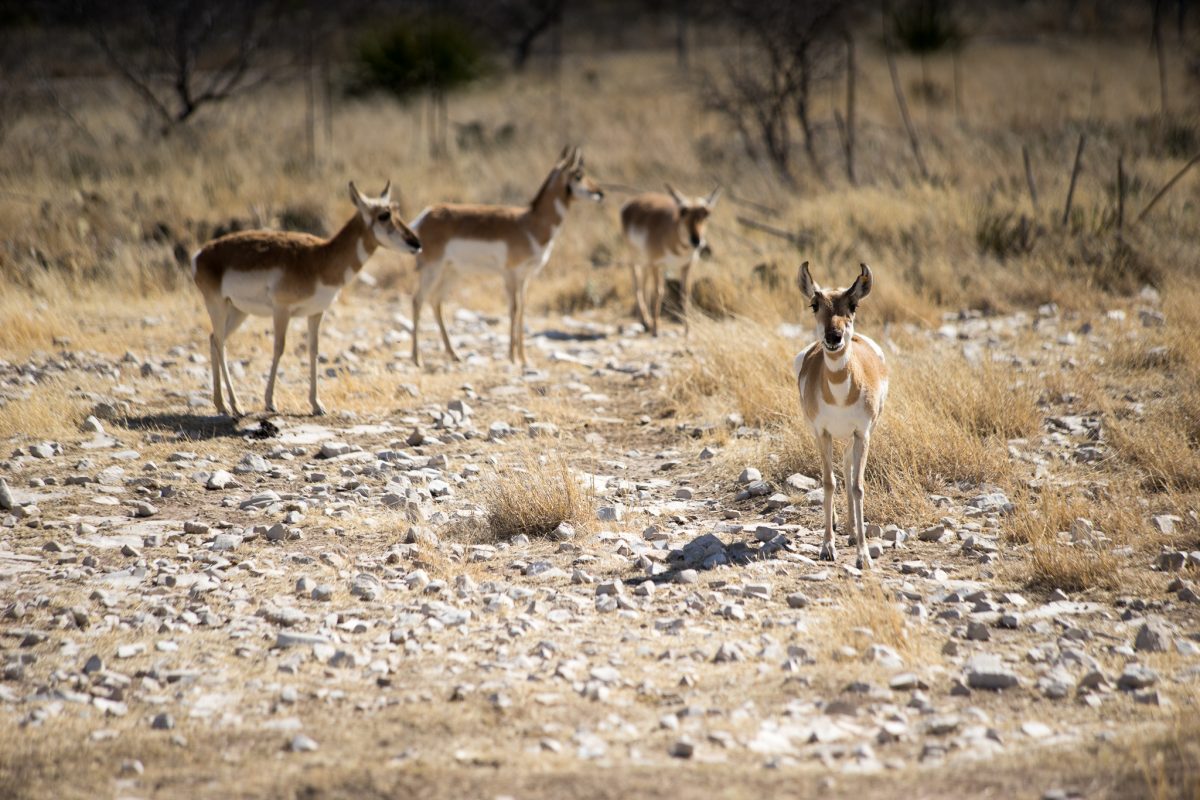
(843, 382)
(665, 231)
(285, 275)
(511, 241)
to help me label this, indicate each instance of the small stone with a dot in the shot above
(333, 449)
(1036, 730)
(322, 592)
(682, 749)
(1153, 637)
(613, 513)
(978, 632)
(1136, 676)
(1165, 523)
(93, 664)
(989, 672)
(302, 744)
(687, 576)
(749, 475)
(163, 722)
(220, 479)
(6, 499)
(564, 532)
(797, 600)
(143, 509)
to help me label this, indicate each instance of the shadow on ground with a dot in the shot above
(197, 427)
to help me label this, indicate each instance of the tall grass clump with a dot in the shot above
(533, 496)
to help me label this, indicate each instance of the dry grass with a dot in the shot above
(51, 409)
(1050, 562)
(869, 614)
(532, 495)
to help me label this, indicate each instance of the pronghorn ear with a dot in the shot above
(804, 279)
(386, 194)
(576, 158)
(562, 157)
(676, 196)
(862, 284)
(355, 197)
(711, 200)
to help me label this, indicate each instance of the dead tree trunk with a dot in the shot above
(908, 124)
(1074, 177)
(850, 79)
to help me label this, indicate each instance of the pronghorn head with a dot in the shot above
(578, 185)
(382, 220)
(693, 214)
(834, 308)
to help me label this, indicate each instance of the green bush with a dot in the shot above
(412, 56)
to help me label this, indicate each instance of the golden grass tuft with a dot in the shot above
(50, 410)
(1054, 564)
(532, 496)
(867, 614)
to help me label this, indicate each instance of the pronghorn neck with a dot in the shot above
(837, 362)
(351, 246)
(549, 208)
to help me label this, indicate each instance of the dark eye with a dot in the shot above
(814, 306)
(385, 216)
(853, 308)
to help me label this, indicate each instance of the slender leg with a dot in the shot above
(514, 290)
(233, 319)
(862, 443)
(281, 324)
(218, 401)
(216, 315)
(639, 294)
(521, 297)
(314, 337)
(437, 314)
(425, 272)
(660, 292)
(828, 551)
(686, 300)
(848, 478)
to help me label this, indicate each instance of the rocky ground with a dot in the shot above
(291, 604)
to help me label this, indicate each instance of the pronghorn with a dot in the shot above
(665, 230)
(843, 382)
(512, 241)
(285, 275)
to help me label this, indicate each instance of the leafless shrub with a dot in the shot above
(786, 50)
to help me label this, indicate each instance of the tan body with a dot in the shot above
(843, 381)
(285, 275)
(665, 231)
(513, 242)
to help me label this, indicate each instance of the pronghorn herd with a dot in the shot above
(842, 377)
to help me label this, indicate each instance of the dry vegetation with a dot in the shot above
(95, 216)
(532, 495)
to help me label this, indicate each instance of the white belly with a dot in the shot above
(841, 422)
(320, 301)
(252, 292)
(477, 255)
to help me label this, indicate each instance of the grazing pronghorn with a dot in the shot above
(665, 230)
(843, 382)
(512, 241)
(285, 275)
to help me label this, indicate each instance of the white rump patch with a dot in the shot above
(637, 237)
(253, 291)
